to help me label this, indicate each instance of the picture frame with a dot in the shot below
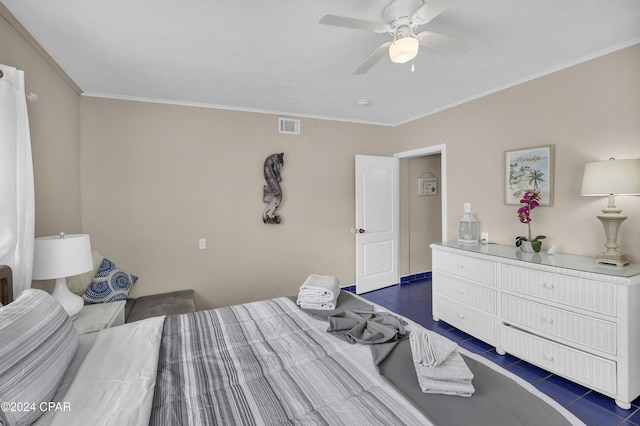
(428, 186)
(530, 169)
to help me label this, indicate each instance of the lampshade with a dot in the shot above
(617, 177)
(61, 256)
(403, 50)
(56, 257)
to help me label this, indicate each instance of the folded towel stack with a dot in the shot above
(439, 366)
(319, 292)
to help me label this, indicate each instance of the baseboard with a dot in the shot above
(408, 279)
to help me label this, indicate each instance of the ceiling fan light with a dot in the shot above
(403, 50)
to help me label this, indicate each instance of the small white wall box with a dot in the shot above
(468, 226)
(427, 185)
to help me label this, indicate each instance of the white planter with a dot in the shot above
(525, 246)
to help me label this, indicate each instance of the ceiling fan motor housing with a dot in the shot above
(399, 12)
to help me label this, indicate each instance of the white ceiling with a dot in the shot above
(273, 56)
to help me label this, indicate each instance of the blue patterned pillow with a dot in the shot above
(110, 284)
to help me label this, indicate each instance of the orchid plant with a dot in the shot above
(530, 201)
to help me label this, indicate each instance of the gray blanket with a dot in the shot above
(368, 328)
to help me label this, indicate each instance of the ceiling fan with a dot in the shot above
(402, 18)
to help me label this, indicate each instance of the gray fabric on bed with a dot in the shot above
(380, 330)
(368, 328)
(155, 305)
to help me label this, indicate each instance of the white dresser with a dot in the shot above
(564, 313)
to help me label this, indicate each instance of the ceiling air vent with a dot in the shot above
(289, 126)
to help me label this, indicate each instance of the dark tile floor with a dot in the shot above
(413, 300)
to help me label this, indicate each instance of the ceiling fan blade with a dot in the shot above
(429, 11)
(441, 42)
(373, 58)
(358, 24)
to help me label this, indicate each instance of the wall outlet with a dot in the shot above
(202, 243)
(484, 239)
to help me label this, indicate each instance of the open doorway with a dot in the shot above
(422, 217)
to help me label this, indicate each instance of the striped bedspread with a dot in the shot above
(268, 363)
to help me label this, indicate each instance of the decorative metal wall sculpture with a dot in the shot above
(272, 190)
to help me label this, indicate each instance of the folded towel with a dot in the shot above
(319, 288)
(452, 369)
(430, 349)
(439, 366)
(319, 292)
(446, 387)
(325, 306)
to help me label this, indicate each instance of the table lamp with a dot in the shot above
(611, 178)
(61, 256)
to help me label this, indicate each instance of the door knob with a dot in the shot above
(357, 231)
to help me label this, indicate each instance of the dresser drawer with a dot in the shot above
(479, 270)
(583, 330)
(590, 370)
(465, 318)
(580, 293)
(477, 296)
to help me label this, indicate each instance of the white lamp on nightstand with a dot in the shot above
(61, 256)
(611, 178)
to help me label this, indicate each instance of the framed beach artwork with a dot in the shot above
(529, 169)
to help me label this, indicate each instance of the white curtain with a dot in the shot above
(17, 205)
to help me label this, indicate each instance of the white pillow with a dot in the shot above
(37, 343)
(78, 284)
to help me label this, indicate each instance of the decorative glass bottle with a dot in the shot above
(468, 227)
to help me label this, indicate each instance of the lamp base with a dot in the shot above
(614, 260)
(611, 220)
(72, 303)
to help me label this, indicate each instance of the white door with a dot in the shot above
(377, 222)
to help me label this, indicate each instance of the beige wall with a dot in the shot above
(590, 112)
(156, 178)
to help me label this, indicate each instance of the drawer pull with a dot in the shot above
(548, 285)
(548, 320)
(461, 315)
(549, 357)
(460, 266)
(460, 291)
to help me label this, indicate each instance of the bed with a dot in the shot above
(263, 363)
